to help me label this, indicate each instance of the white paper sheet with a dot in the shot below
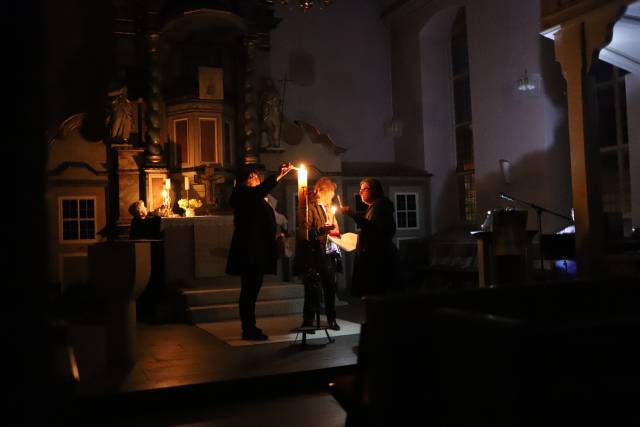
(347, 241)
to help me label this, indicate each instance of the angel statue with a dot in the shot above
(271, 114)
(121, 115)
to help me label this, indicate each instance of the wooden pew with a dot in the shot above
(534, 355)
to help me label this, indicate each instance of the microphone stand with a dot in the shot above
(539, 210)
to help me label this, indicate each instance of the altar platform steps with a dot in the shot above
(221, 303)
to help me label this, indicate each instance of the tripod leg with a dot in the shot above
(329, 336)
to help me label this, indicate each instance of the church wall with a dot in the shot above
(508, 125)
(350, 95)
(68, 260)
(526, 130)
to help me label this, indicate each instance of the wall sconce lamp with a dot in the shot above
(393, 128)
(505, 169)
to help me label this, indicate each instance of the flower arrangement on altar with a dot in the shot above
(189, 205)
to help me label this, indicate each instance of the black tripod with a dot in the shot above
(313, 293)
(539, 210)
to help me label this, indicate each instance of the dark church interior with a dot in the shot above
(499, 134)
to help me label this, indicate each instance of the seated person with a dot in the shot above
(144, 225)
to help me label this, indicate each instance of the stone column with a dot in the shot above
(250, 108)
(153, 117)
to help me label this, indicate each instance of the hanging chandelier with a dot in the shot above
(305, 5)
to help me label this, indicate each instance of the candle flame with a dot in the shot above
(333, 209)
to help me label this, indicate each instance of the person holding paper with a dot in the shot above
(376, 262)
(322, 256)
(253, 251)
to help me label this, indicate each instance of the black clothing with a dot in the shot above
(318, 267)
(253, 251)
(376, 262)
(250, 284)
(145, 228)
(253, 245)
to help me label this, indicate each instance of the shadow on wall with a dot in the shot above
(527, 182)
(528, 178)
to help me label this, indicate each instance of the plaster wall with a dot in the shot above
(350, 96)
(526, 130)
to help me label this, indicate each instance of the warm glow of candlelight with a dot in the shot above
(333, 210)
(302, 176)
(165, 194)
(167, 183)
(302, 226)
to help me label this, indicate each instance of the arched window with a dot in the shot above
(465, 167)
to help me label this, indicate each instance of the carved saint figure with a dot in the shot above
(121, 116)
(271, 113)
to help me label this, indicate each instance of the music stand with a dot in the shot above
(539, 210)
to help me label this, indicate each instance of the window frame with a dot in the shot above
(466, 211)
(397, 211)
(619, 148)
(61, 220)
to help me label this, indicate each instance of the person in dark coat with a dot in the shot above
(322, 257)
(253, 251)
(144, 225)
(375, 269)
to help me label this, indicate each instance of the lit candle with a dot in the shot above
(302, 231)
(167, 183)
(333, 210)
(302, 176)
(165, 194)
(186, 182)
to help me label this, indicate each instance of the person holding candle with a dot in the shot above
(376, 262)
(253, 250)
(321, 257)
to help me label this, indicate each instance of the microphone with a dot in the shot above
(505, 196)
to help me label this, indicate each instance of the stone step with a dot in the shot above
(220, 312)
(225, 282)
(268, 292)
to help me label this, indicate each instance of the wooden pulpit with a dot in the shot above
(503, 249)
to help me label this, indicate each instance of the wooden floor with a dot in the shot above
(182, 367)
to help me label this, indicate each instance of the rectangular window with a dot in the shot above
(406, 210)
(467, 194)
(613, 139)
(180, 128)
(77, 219)
(208, 148)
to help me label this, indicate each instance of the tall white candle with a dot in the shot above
(302, 204)
(302, 176)
(167, 183)
(186, 182)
